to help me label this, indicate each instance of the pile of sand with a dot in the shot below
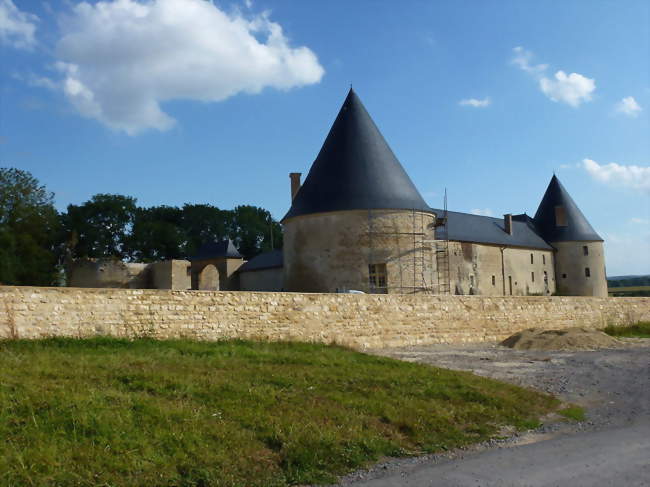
(567, 339)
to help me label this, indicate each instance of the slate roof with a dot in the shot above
(267, 260)
(214, 250)
(465, 227)
(577, 228)
(355, 169)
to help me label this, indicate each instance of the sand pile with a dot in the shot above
(567, 339)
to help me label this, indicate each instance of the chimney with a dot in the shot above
(295, 183)
(507, 223)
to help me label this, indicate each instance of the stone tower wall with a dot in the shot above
(330, 252)
(570, 269)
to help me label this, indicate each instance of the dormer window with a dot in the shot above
(560, 216)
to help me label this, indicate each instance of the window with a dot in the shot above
(587, 272)
(543, 259)
(377, 275)
(563, 276)
(494, 280)
(585, 250)
(532, 261)
(532, 276)
(560, 216)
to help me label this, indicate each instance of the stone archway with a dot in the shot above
(209, 278)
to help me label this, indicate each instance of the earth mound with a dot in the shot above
(567, 339)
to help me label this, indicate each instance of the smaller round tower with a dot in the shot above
(579, 253)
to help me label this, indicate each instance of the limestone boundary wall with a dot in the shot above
(359, 321)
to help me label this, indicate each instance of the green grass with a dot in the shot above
(638, 330)
(576, 413)
(108, 412)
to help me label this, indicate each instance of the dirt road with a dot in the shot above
(610, 448)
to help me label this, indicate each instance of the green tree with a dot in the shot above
(100, 227)
(254, 231)
(29, 230)
(157, 234)
(204, 223)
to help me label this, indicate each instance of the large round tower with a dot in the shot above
(579, 257)
(358, 222)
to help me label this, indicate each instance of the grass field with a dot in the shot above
(639, 330)
(103, 412)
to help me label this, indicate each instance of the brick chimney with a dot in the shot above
(507, 223)
(295, 183)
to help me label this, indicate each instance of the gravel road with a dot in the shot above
(611, 447)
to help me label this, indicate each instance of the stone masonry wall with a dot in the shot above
(359, 321)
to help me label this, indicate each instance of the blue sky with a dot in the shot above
(176, 101)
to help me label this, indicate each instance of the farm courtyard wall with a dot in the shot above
(359, 321)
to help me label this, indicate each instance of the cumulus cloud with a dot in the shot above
(473, 102)
(572, 89)
(628, 176)
(120, 59)
(17, 28)
(482, 212)
(628, 106)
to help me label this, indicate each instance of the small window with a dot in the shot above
(585, 250)
(560, 216)
(563, 276)
(532, 260)
(494, 280)
(543, 259)
(377, 275)
(189, 271)
(471, 281)
(587, 272)
(532, 276)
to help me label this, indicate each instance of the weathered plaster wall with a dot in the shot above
(327, 252)
(359, 321)
(261, 280)
(109, 273)
(472, 267)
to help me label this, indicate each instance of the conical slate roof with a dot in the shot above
(577, 227)
(355, 170)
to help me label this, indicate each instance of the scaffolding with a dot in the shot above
(409, 257)
(441, 247)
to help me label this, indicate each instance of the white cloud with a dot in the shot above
(17, 28)
(522, 59)
(482, 212)
(473, 102)
(572, 89)
(628, 176)
(628, 106)
(122, 58)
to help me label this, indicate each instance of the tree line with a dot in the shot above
(35, 238)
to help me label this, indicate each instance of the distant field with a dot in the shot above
(630, 290)
(108, 412)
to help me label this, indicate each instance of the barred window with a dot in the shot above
(377, 276)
